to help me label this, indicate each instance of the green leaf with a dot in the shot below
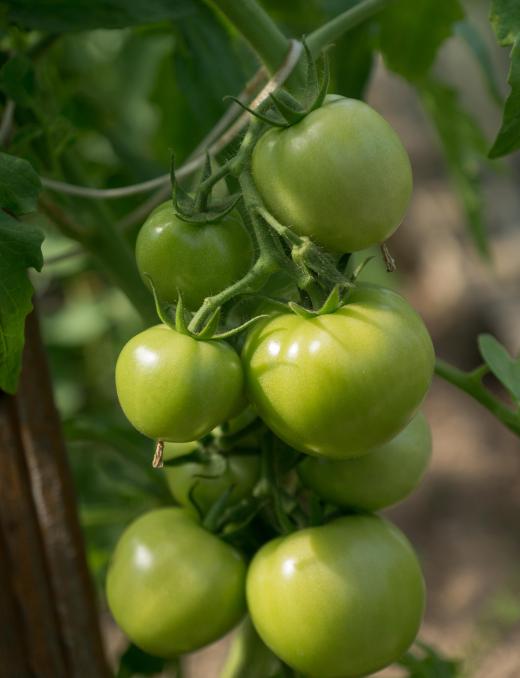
(17, 80)
(425, 662)
(19, 185)
(136, 662)
(505, 18)
(508, 138)
(20, 248)
(413, 30)
(464, 149)
(59, 16)
(505, 368)
(478, 46)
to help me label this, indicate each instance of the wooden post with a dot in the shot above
(48, 619)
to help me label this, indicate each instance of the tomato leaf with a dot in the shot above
(428, 663)
(413, 30)
(464, 148)
(136, 662)
(57, 16)
(17, 80)
(505, 368)
(508, 138)
(505, 18)
(19, 185)
(20, 245)
(479, 48)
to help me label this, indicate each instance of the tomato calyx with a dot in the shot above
(201, 208)
(286, 110)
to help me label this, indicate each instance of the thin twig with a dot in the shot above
(7, 122)
(196, 162)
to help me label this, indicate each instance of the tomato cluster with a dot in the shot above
(280, 443)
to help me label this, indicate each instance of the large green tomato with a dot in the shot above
(198, 260)
(172, 586)
(207, 482)
(340, 383)
(384, 476)
(340, 600)
(340, 176)
(174, 387)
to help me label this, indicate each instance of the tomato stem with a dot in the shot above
(471, 383)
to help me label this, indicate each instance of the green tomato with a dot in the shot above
(198, 260)
(174, 387)
(341, 383)
(207, 482)
(340, 176)
(172, 586)
(337, 601)
(384, 476)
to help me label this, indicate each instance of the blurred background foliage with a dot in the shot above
(106, 107)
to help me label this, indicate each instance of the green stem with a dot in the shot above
(258, 29)
(106, 244)
(470, 383)
(344, 22)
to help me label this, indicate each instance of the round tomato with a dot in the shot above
(384, 476)
(337, 601)
(206, 482)
(174, 387)
(340, 383)
(340, 176)
(172, 586)
(198, 260)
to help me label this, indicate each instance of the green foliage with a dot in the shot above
(20, 245)
(413, 30)
(17, 80)
(59, 16)
(505, 368)
(135, 662)
(464, 146)
(505, 17)
(425, 662)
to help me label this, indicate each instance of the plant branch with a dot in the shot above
(257, 27)
(109, 247)
(470, 383)
(344, 22)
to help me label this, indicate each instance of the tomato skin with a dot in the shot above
(197, 259)
(172, 586)
(341, 383)
(209, 483)
(176, 388)
(340, 176)
(340, 600)
(382, 477)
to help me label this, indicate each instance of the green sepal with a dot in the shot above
(236, 330)
(161, 312)
(290, 109)
(359, 268)
(209, 329)
(331, 304)
(260, 115)
(217, 210)
(180, 316)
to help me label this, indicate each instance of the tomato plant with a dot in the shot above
(340, 383)
(337, 601)
(174, 387)
(382, 477)
(340, 176)
(202, 483)
(172, 586)
(194, 259)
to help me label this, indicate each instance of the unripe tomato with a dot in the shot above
(341, 175)
(207, 482)
(337, 601)
(172, 586)
(384, 476)
(174, 387)
(341, 383)
(198, 260)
